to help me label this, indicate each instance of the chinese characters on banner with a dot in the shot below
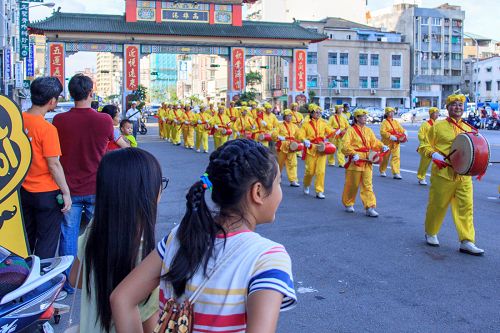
(132, 66)
(30, 60)
(23, 29)
(300, 70)
(7, 62)
(238, 72)
(56, 53)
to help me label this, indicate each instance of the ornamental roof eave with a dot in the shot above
(95, 23)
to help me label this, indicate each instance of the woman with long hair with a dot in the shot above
(255, 283)
(120, 236)
(119, 141)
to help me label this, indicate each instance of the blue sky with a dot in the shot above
(481, 18)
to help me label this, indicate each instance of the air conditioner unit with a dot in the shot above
(337, 91)
(373, 91)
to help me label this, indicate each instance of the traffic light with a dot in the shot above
(154, 73)
(214, 65)
(264, 67)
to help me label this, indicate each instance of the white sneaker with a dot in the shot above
(432, 240)
(383, 174)
(371, 212)
(206, 151)
(470, 248)
(349, 209)
(198, 151)
(320, 195)
(397, 176)
(294, 184)
(306, 190)
(422, 182)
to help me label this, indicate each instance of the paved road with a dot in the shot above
(357, 274)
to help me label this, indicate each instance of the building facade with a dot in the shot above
(357, 64)
(486, 78)
(108, 74)
(436, 38)
(476, 46)
(9, 49)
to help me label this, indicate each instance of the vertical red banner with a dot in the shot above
(57, 58)
(238, 72)
(300, 58)
(132, 67)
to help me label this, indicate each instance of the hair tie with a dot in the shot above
(207, 184)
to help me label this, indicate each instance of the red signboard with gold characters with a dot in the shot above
(15, 160)
(56, 53)
(300, 58)
(132, 62)
(238, 72)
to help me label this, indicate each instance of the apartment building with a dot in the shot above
(476, 46)
(486, 78)
(436, 38)
(108, 74)
(357, 64)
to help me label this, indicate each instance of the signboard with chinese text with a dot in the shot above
(7, 62)
(132, 67)
(18, 75)
(30, 61)
(238, 68)
(23, 29)
(190, 12)
(300, 58)
(56, 61)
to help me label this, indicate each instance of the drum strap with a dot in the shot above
(360, 134)
(430, 122)
(452, 121)
(338, 121)
(287, 129)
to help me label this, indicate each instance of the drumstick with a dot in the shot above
(447, 157)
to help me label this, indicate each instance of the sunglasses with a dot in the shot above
(164, 183)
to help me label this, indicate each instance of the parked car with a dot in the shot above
(421, 114)
(61, 108)
(375, 115)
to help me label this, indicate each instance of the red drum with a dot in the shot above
(470, 154)
(207, 126)
(374, 157)
(326, 148)
(248, 136)
(226, 131)
(402, 138)
(265, 137)
(296, 146)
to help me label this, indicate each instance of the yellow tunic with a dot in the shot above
(297, 118)
(188, 128)
(337, 122)
(223, 123)
(244, 125)
(285, 157)
(202, 131)
(422, 138)
(388, 128)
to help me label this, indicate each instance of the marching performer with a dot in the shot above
(202, 129)
(392, 134)
(312, 133)
(297, 117)
(188, 125)
(285, 134)
(448, 187)
(176, 118)
(168, 122)
(263, 129)
(221, 127)
(340, 125)
(359, 141)
(244, 125)
(422, 138)
(346, 113)
(161, 121)
(233, 113)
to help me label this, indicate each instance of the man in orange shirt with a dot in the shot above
(42, 206)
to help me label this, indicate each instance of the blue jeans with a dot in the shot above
(70, 229)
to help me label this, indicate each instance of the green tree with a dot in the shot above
(311, 94)
(253, 78)
(247, 96)
(139, 96)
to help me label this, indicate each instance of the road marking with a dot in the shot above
(305, 290)
(493, 198)
(411, 171)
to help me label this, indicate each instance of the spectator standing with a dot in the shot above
(95, 105)
(133, 114)
(126, 131)
(484, 117)
(45, 180)
(119, 140)
(84, 135)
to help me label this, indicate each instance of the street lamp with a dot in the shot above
(48, 5)
(476, 60)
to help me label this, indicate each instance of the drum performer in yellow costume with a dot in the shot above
(422, 138)
(285, 134)
(202, 129)
(297, 117)
(176, 117)
(161, 121)
(359, 140)
(339, 124)
(188, 125)
(312, 133)
(448, 187)
(168, 122)
(392, 134)
(244, 125)
(262, 127)
(221, 124)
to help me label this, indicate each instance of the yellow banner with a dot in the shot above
(15, 159)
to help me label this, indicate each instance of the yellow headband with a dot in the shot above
(389, 109)
(287, 112)
(455, 98)
(360, 112)
(432, 110)
(312, 107)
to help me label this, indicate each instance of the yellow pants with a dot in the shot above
(355, 180)
(339, 143)
(188, 135)
(395, 160)
(423, 167)
(167, 130)
(315, 166)
(219, 141)
(175, 134)
(202, 140)
(459, 193)
(290, 161)
(161, 130)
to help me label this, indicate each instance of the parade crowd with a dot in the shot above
(237, 281)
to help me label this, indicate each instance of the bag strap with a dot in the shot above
(70, 319)
(222, 261)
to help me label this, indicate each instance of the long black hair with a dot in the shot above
(128, 184)
(233, 169)
(110, 109)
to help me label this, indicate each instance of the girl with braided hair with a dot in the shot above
(250, 289)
